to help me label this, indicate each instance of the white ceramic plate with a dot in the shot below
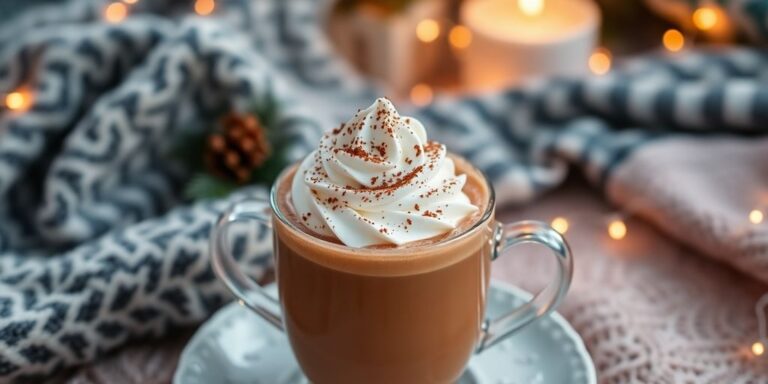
(236, 346)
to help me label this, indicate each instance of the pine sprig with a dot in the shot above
(192, 145)
(207, 186)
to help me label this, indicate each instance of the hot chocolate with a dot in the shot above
(384, 314)
(375, 283)
(383, 244)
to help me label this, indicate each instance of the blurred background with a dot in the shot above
(636, 128)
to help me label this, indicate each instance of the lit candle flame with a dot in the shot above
(531, 7)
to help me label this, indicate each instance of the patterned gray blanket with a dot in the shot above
(97, 244)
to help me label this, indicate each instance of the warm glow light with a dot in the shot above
(531, 7)
(705, 18)
(18, 100)
(115, 12)
(460, 37)
(758, 348)
(421, 94)
(130, 1)
(14, 100)
(617, 230)
(204, 7)
(560, 224)
(600, 61)
(756, 216)
(673, 40)
(427, 30)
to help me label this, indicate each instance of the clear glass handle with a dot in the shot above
(226, 268)
(546, 300)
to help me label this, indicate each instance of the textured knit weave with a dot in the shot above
(96, 246)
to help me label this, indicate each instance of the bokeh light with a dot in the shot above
(204, 7)
(705, 18)
(756, 216)
(18, 100)
(600, 61)
(460, 37)
(617, 230)
(560, 224)
(428, 30)
(115, 12)
(673, 40)
(758, 348)
(421, 94)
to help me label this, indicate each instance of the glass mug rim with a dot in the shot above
(502, 237)
(383, 253)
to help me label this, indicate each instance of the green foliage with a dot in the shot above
(191, 146)
(207, 186)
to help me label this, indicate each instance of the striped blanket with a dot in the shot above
(97, 245)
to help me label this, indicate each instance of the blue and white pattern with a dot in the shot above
(96, 245)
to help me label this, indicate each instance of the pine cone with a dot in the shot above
(238, 148)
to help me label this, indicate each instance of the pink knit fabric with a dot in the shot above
(700, 191)
(649, 309)
(664, 305)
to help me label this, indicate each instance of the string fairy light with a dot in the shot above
(560, 224)
(673, 40)
(616, 227)
(705, 18)
(617, 230)
(600, 61)
(758, 347)
(460, 37)
(204, 7)
(421, 94)
(18, 100)
(428, 30)
(115, 12)
(14, 101)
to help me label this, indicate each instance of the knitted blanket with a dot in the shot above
(97, 243)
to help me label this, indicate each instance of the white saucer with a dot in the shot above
(236, 346)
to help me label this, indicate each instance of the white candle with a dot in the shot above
(517, 40)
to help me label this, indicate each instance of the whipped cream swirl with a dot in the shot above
(377, 180)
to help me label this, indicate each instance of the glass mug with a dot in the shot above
(390, 315)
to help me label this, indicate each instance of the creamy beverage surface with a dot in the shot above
(369, 229)
(376, 180)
